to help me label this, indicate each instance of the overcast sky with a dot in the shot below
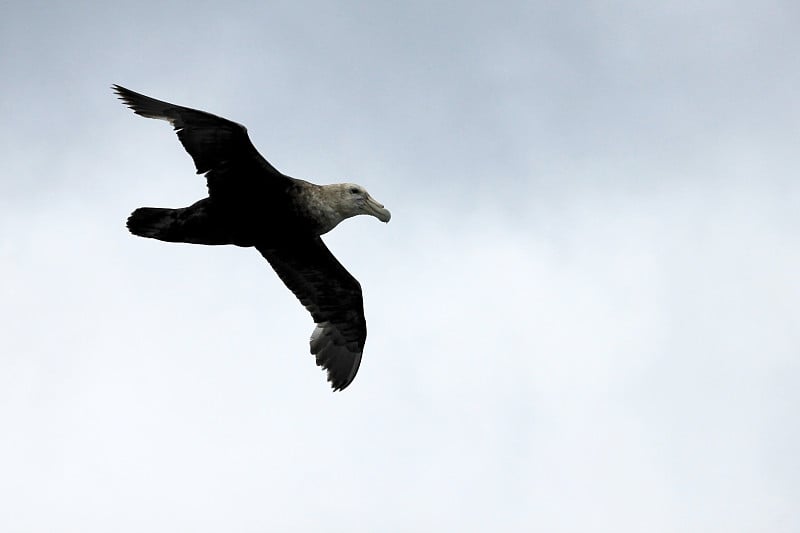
(584, 314)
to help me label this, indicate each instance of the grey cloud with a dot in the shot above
(582, 315)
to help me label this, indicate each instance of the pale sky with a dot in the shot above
(584, 315)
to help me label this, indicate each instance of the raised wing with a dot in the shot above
(220, 148)
(332, 296)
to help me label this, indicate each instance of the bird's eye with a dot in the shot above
(353, 190)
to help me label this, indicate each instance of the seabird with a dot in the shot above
(250, 203)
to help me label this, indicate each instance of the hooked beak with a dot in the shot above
(377, 210)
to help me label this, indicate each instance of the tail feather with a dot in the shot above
(152, 222)
(197, 224)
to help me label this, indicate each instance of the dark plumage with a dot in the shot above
(250, 203)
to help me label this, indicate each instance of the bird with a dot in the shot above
(252, 204)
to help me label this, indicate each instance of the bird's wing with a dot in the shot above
(220, 148)
(332, 296)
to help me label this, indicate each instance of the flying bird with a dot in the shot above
(250, 203)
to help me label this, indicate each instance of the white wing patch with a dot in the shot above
(335, 354)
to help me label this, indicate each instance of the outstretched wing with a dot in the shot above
(220, 148)
(332, 296)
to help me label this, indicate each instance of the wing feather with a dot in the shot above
(332, 296)
(220, 148)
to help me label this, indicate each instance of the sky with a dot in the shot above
(584, 314)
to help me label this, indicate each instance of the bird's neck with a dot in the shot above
(325, 208)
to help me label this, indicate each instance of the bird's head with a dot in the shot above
(352, 200)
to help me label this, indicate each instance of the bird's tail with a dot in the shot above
(153, 222)
(194, 224)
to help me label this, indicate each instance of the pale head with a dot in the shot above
(350, 200)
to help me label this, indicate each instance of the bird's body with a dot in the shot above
(250, 203)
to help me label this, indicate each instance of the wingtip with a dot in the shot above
(336, 381)
(338, 387)
(123, 94)
(332, 353)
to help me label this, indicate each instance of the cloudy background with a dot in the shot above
(584, 314)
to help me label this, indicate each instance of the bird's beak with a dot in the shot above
(377, 210)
